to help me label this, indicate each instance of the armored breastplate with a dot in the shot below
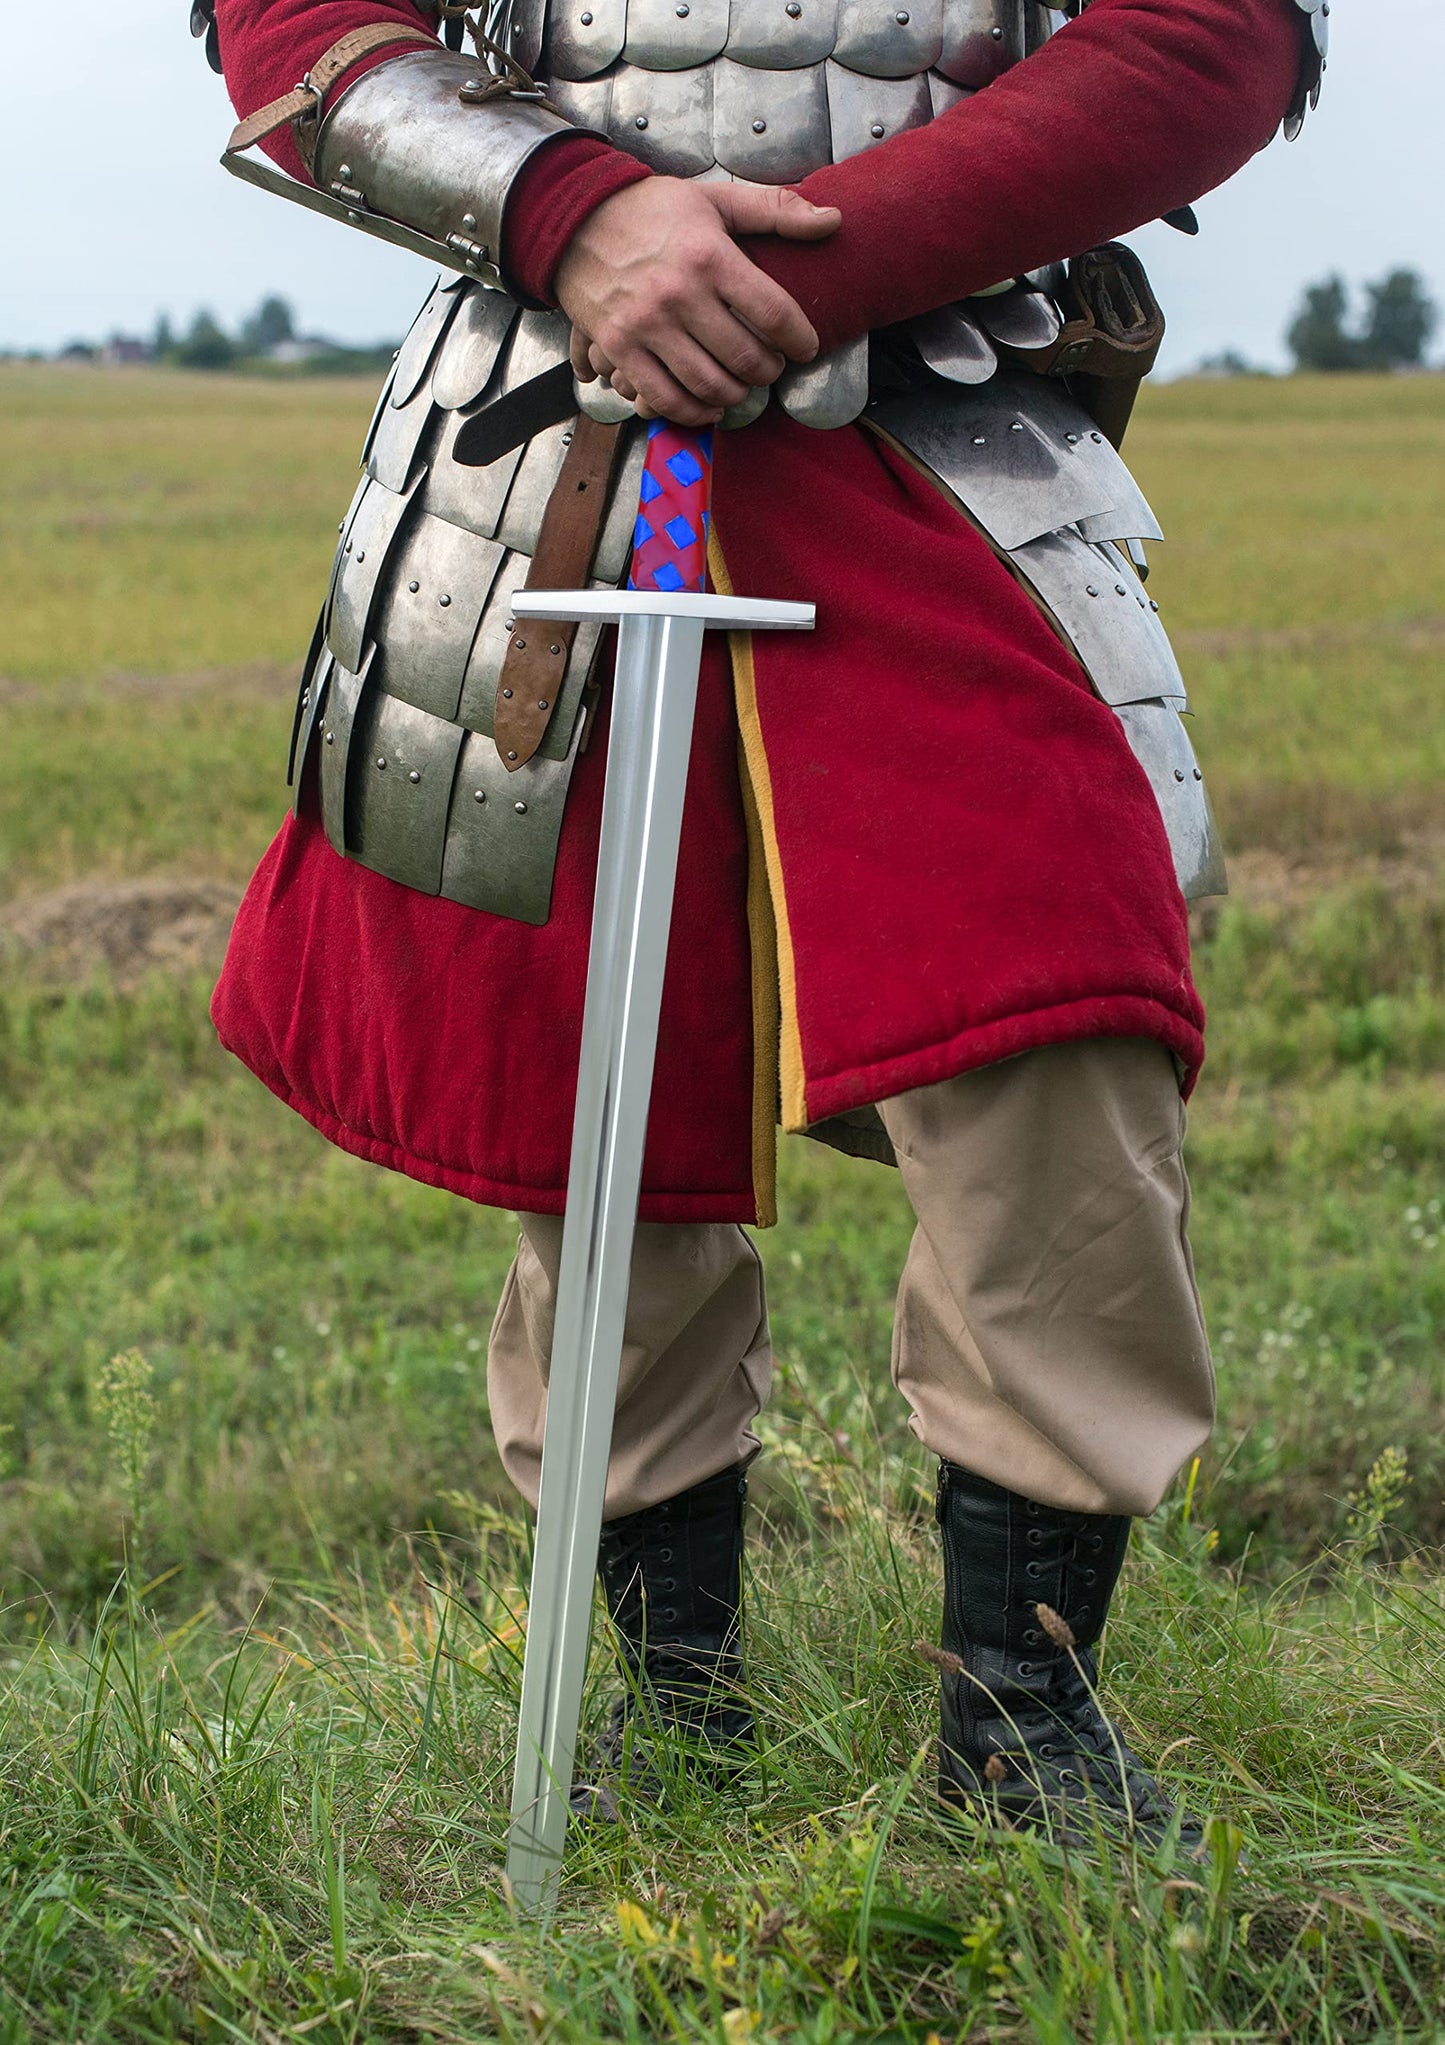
(770, 90)
(400, 693)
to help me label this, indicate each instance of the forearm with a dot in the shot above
(1138, 107)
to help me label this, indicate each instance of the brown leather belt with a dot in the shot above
(536, 657)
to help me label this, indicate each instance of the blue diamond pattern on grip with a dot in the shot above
(648, 488)
(685, 469)
(665, 576)
(642, 532)
(680, 532)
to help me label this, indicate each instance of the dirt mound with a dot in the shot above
(122, 928)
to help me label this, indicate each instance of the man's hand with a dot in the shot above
(665, 303)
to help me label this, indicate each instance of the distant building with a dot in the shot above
(123, 351)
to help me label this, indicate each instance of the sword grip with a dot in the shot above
(674, 510)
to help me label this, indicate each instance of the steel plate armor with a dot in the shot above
(399, 693)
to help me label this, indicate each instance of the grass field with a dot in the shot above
(262, 1797)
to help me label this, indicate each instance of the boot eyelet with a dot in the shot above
(1090, 1575)
(1083, 1615)
(1035, 1537)
(670, 1616)
(1034, 1570)
(1047, 1753)
(664, 1555)
(1026, 1668)
(1032, 1509)
(1032, 1637)
(1096, 1545)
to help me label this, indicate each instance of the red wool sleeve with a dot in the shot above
(267, 45)
(1137, 107)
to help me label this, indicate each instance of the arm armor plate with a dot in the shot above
(1312, 65)
(417, 141)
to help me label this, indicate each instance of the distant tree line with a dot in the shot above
(1393, 332)
(267, 338)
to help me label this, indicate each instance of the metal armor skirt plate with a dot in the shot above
(398, 692)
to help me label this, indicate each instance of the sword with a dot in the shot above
(659, 657)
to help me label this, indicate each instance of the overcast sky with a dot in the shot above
(114, 208)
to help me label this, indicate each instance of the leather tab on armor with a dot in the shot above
(303, 102)
(536, 657)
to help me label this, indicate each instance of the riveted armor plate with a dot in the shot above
(769, 126)
(584, 37)
(943, 93)
(419, 346)
(954, 345)
(863, 112)
(403, 763)
(469, 354)
(396, 445)
(501, 842)
(831, 390)
(1160, 743)
(782, 35)
(1022, 318)
(363, 554)
(464, 495)
(1100, 607)
(337, 723)
(889, 38)
(981, 39)
(664, 117)
(674, 35)
(438, 582)
(383, 399)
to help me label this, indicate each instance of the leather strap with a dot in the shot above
(535, 662)
(303, 103)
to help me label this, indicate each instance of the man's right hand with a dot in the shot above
(660, 294)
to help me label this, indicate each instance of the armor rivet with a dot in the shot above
(331, 738)
(1097, 438)
(587, 21)
(997, 34)
(380, 762)
(1152, 605)
(362, 555)
(1120, 589)
(511, 756)
(980, 440)
(510, 626)
(1017, 426)
(353, 217)
(641, 121)
(1073, 438)
(1093, 591)
(344, 170)
(901, 18)
(1178, 773)
(469, 222)
(554, 649)
(508, 694)
(520, 808)
(413, 587)
(1199, 773)
(541, 702)
(521, 648)
(349, 546)
(413, 776)
(760, 127)
(877, 131)
(683, 13)
(566, 442)
(479, 795)
(444, 601)
(342, 527)
(792, 10)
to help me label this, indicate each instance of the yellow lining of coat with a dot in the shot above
(778, 1049)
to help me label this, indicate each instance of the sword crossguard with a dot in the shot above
(613, 606)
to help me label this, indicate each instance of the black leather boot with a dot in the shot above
(672, 1577)
(1023, 1734)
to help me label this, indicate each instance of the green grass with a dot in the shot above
(260, 1793)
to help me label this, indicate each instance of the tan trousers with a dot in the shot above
(1048, 1332)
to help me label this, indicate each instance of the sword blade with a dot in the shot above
(654, 699)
